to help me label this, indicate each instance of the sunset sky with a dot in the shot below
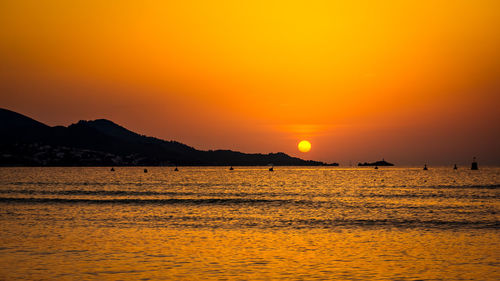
(410, 81)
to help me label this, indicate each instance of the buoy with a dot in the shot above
(425, 167)
(112, 169)
(455, 167)
(145, 170)
(474, 164)
(230, 169)
(176, 170)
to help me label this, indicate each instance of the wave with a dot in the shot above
(228, 222)
(337, 194)
(141, 201)
(142, 193)
(399, 223)
(428, 196)
(91, 192)
(484, 186)
(465, 186)
(240, 184)
(405, 221)
(131, 183)
(280, 203)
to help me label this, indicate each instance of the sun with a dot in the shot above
(304, 146)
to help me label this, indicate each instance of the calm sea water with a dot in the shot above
(294, 223)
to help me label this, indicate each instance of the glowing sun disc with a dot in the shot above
(304, 146)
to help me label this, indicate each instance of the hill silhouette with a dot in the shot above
(377, 163)
(101, 142)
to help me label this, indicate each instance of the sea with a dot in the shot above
(210, 223)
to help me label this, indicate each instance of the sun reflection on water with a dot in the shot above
(208, 223)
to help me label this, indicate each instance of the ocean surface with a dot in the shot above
(209, 223)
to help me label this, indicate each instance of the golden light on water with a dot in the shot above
(206, 223)
(304, 146)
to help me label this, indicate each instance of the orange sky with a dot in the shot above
(411, 81)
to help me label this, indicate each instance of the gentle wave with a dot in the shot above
(130, 183)
(72, 192)
(402, 223)
(225, 184)
(221, 222)
(273, 221)
(91, 192)
(141, 201)
(486, 186)
(229, 201)
(140, 193)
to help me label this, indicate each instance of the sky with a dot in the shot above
(410, 81)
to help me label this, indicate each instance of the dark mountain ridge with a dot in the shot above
(27, 142)
(377, 163)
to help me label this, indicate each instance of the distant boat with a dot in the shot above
(474, 165)
(112, 169)
(230, 169)
(176, 169)
(271, 169)
(425, 167)
(455, 167)
(145, 170)
(376, 168)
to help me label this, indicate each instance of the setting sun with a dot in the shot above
(304, 146)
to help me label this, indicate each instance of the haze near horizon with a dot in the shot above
(413, 82)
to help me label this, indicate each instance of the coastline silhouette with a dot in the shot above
(377, 163)
(27, 142)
